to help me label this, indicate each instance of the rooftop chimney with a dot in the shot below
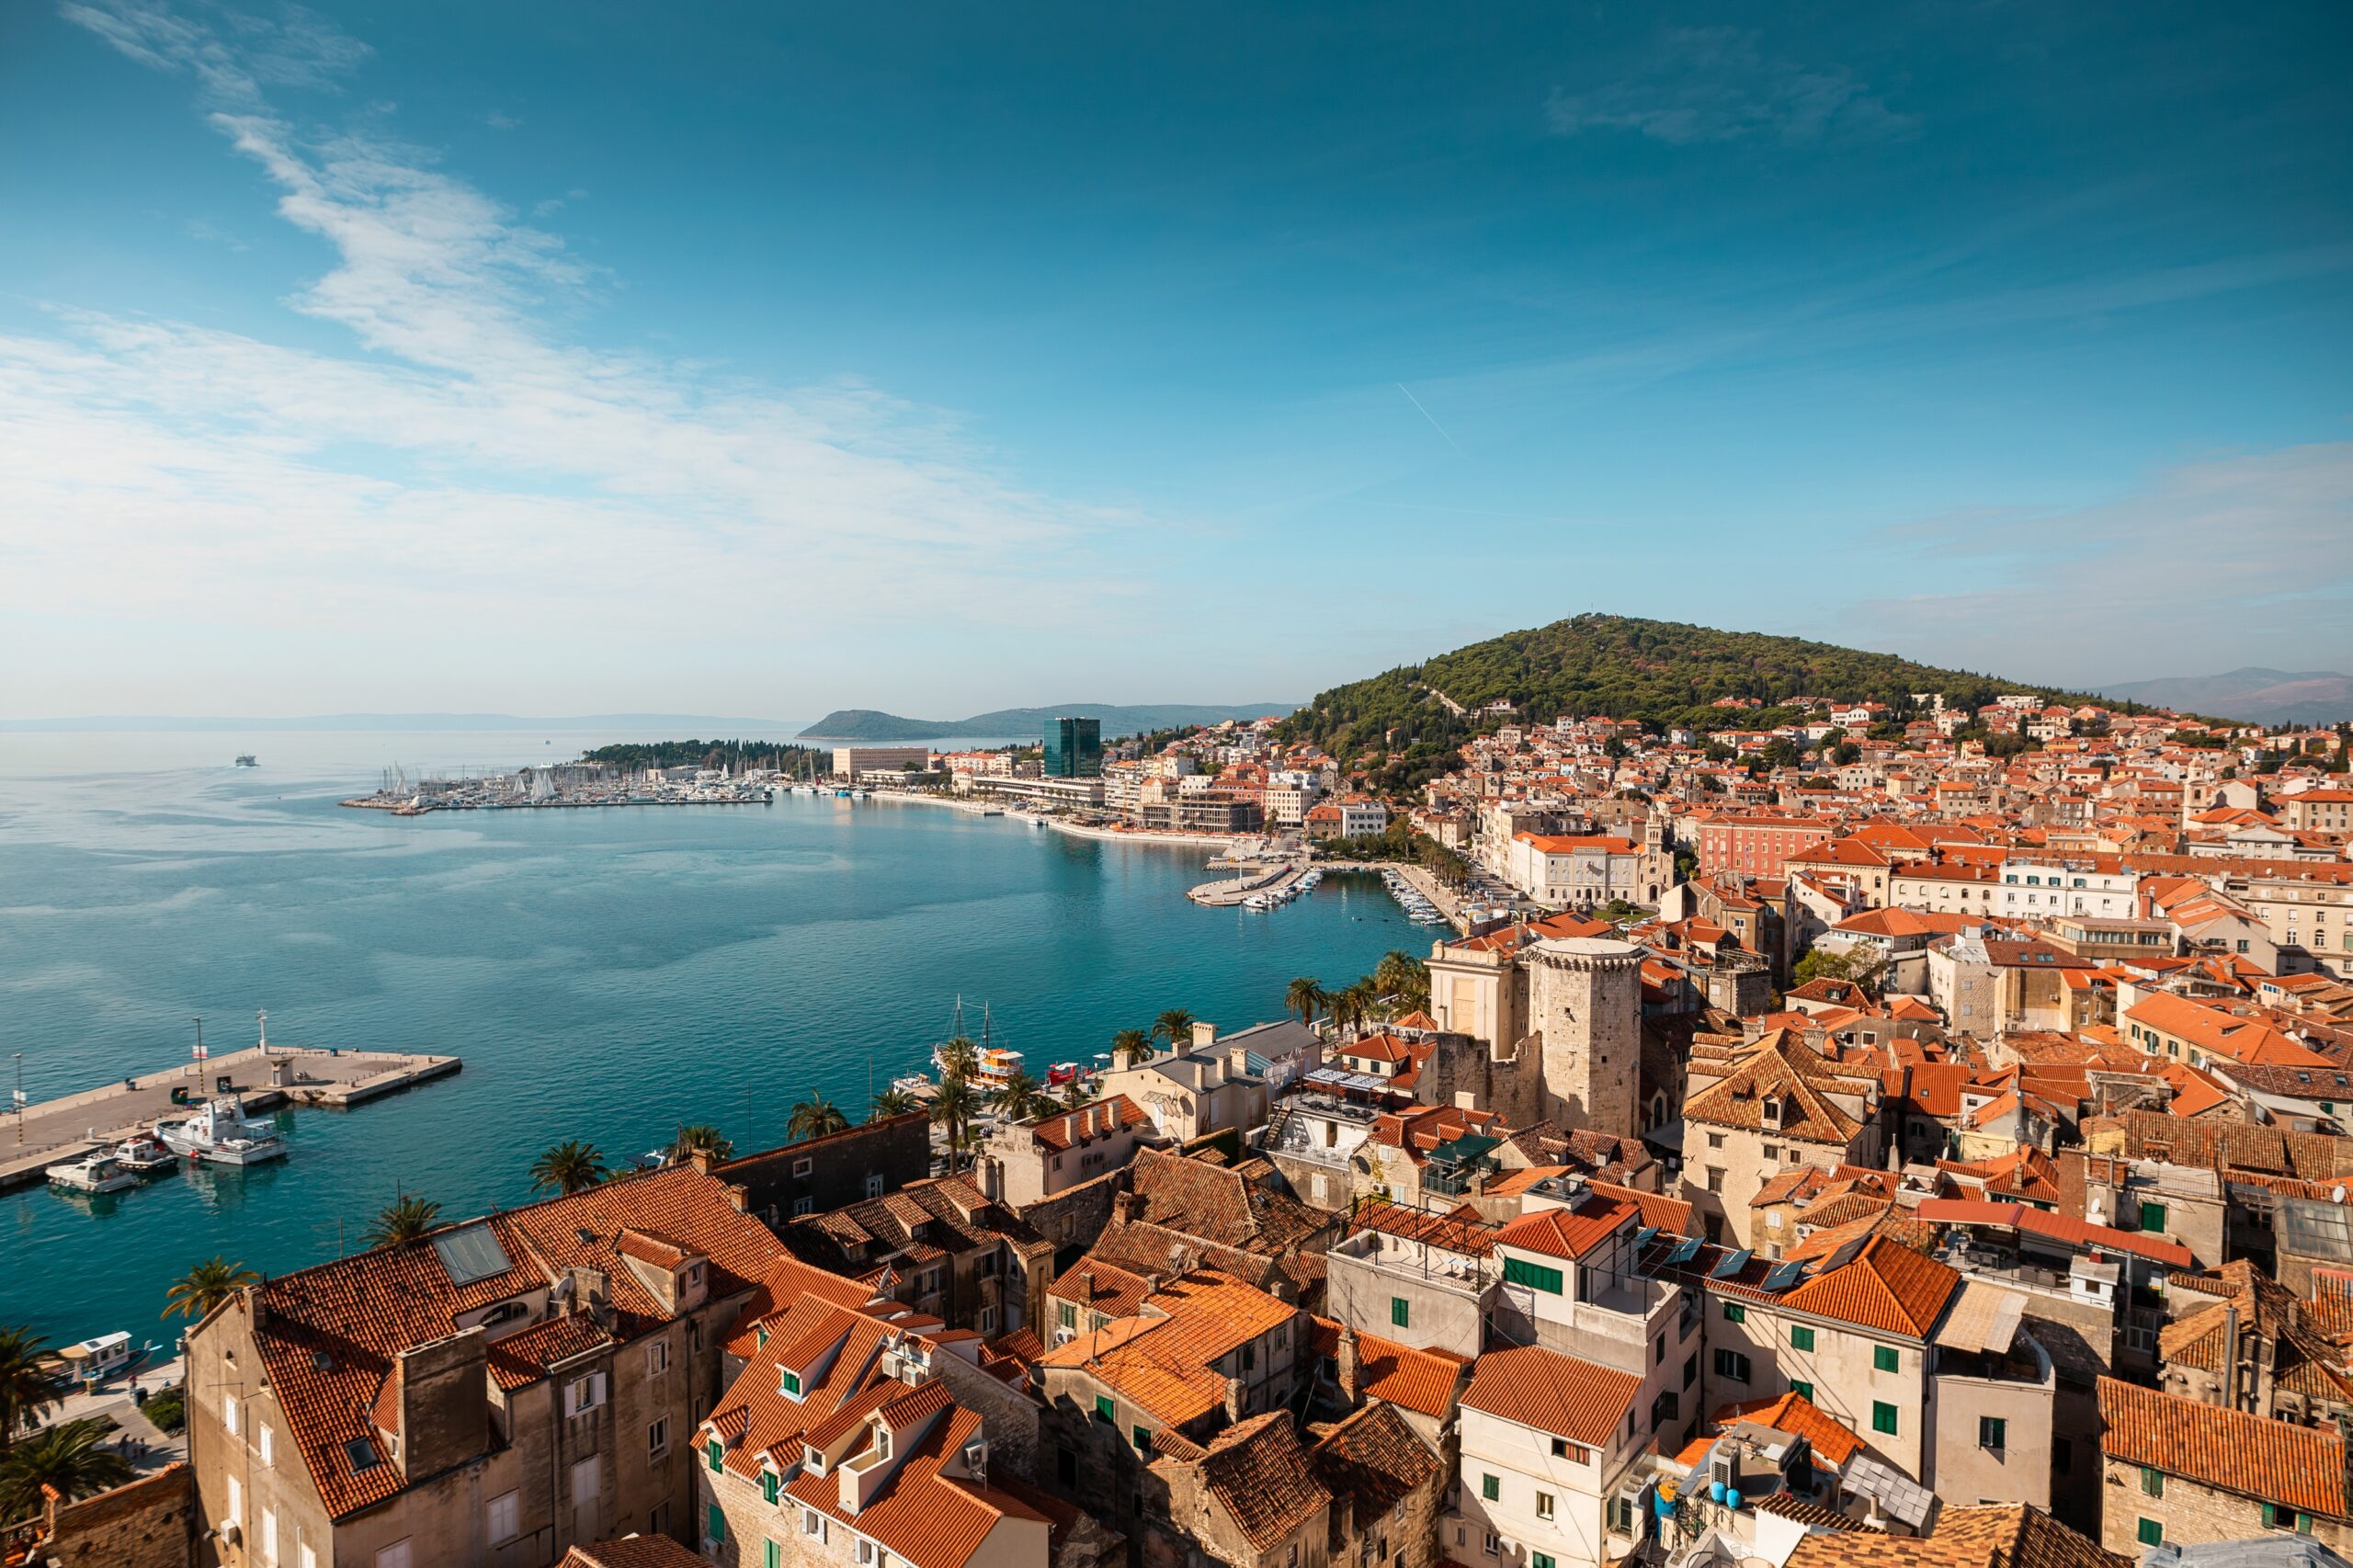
(1351, 1373)
(1204, 1035)
(1237, 1399)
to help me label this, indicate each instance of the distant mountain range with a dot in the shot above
(2257, 695)
(1117, 719)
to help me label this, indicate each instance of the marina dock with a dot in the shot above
(54, 1131)
(1276, 880)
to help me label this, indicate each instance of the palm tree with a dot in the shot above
(700, 1138)
(70, 1456)
(404, 1219)
(1344, 1007)
(1175, 1026)
(1305, 997)
(1021, 1096)
(959, 1058)
(893, 1102)
(1129, 1047)
(1076, 1094)
(813, 1117)
(205, 1286)
(1403, 978)
(952, 1108)
(30, 1383)
(570, 1166)
(1373, 1007)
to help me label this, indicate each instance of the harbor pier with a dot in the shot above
(54, 1131)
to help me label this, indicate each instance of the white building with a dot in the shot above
(2032, 889)
(1548, 1445)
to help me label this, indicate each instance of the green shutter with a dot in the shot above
(1801, 1339)
(2152, 1217)
(714, 1524)
(2152, 1482)
(1802, 1389)
(1883, 1418)
(768, 1485)
(1735, 1313)
(1401, 1313)
(1490, 1488)
(717, 1452)
(1104, 1410)
(2152, 1533)
(1884, 1359)
(771, 1555)
(1535, 1275)
(1144, 1440)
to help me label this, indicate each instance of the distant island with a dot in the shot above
(867, 724)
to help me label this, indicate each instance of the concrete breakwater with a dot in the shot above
(262, 1078)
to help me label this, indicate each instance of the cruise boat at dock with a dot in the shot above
(220, 1134)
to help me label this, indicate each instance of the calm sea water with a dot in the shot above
(606, 974)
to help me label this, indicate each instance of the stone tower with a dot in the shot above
(1584, 999)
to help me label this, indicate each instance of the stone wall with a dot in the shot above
(2191, 1514)
(840, 1164)
(147, 1523)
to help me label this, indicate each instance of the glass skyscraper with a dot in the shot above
(1074, 748)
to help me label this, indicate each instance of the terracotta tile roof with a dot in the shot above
(2229, 1450)
(1219, 1205)
(633, 1551)
(1553, 1392)
(1374, 1459)
(2080, 1233)
(1058, 1131)
(1261, 1475)
(928, 1519)
(787, 1281)
(1800, 1417)
(1888, 1286)
(1778, 1066)
(2010, 1535)
(1422, 1380)
(1459, 1231)
(1163, 1359)
(1097, 1286)
(332, 1333)
(1570, 1232)
(1672, 1215)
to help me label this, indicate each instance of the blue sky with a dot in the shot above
(759, 359)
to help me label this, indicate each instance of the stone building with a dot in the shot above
(820, 1174)
(484, 1397)
(2182, 1472)
(941, 1247)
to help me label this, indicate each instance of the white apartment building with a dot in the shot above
(2031, 889)
(1549, 1444)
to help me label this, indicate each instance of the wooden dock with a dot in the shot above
(54, 1132)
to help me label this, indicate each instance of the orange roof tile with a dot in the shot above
(1553, 1392)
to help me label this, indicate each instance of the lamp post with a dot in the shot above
(16, 1100)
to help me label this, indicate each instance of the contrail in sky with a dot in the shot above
(1425, 414)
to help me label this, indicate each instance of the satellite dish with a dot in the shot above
(2338, 1195)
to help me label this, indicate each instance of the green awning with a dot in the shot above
(1464, 1150)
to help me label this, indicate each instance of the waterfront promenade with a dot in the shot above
(54, 1132)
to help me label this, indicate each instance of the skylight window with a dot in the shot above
(470, 1254)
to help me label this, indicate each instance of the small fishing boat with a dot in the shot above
(246, 760)
(220, 1134)
(143, 1154)
(95, 1172)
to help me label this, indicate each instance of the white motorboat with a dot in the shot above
(221, 1135)
(93, 1361)
(143, 1154)
(95, 1172)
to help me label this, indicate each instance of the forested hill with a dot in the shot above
(1117, 719)
(1661, 672)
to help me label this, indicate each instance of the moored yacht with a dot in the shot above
(95, 1172)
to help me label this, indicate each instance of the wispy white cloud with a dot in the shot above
(1721, 85)
(470, 464)
(2225, 562)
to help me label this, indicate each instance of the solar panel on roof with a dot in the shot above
(1783, 1275)
(1685, 1250)
(1643, 1237)
(1732, 1265)
(471, 1254)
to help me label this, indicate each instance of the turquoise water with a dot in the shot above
(606, 974)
